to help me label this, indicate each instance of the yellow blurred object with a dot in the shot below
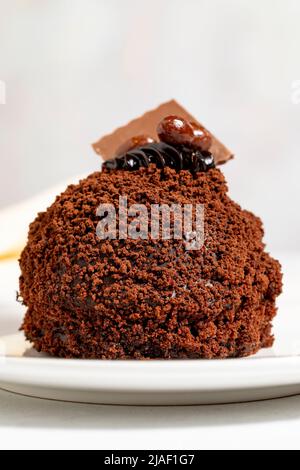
(15, 220)
(10, 255)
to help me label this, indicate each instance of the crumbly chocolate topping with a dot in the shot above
(147, 298)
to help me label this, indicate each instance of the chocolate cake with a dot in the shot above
(120, 298)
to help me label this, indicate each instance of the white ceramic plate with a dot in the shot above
(270, 373)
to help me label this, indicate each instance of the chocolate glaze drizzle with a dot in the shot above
(163, 155)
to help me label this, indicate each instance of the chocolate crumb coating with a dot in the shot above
(120, 299)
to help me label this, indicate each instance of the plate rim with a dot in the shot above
(156, 375)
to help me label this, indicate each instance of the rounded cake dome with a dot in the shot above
(147, 298)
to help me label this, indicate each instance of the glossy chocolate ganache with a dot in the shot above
(183, 145)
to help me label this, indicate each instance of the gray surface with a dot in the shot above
(49, 424)
(16, 410)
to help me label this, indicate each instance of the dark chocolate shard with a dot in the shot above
(108, 145)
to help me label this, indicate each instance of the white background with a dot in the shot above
(75, 70)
